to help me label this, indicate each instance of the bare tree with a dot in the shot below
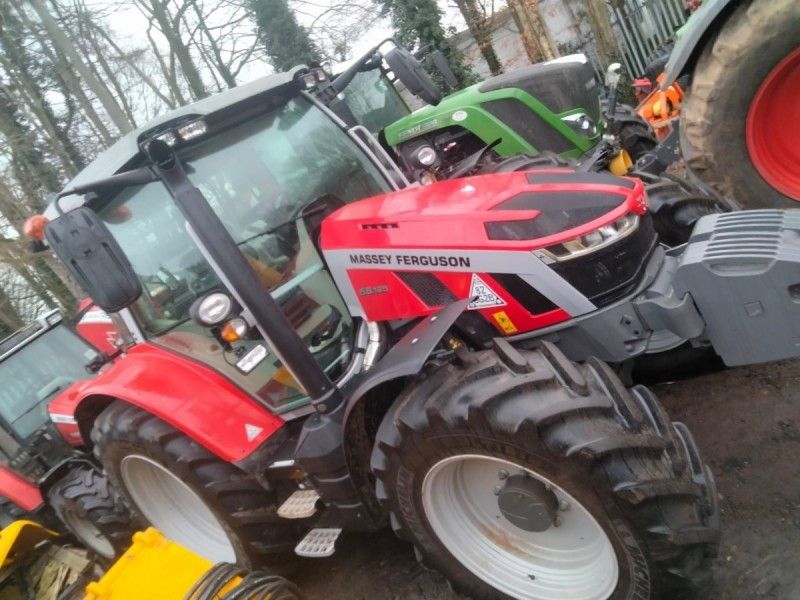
(68, 49)
(478, 24)
(535, 35)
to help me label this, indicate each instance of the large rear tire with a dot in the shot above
(93, 512)
(196, 499)
(636, 512)
(745, 148)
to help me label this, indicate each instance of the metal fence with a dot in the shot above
(644, 27)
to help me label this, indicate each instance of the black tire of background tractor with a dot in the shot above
(637, 139)
(89, 496)
(612, 449)
(244, 509)
(731, 68)
(676, 205)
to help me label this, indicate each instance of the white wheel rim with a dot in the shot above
(574, 561)
(175, 509)
(88, 533)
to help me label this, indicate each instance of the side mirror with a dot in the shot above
(411, 74)
(93, 257)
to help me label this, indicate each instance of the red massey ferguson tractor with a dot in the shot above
(45, 472)
(299, 362)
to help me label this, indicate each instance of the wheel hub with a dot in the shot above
(461, 498)
(773, 127)
(527, 503)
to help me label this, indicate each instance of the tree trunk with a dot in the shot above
(65, 45)
(604, 39)
(478, 26)
(533, 30)
(70, 81)
(169, 26)
(10, 319)
(220, 65)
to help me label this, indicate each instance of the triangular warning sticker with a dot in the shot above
(484, 296)
(252, 431)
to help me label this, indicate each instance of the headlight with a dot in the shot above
(579, 246)
(582, 124)
(214, 308)
(425, 156)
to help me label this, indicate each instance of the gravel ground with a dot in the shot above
(747, 423)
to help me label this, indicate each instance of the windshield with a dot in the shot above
(374, 101)
(33, 375)
(258, 177)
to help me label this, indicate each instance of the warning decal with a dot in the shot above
(485, 297)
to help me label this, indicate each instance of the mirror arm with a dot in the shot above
(139, 176)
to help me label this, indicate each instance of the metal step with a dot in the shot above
(300, 505)
(318, 543)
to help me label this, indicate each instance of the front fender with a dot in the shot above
(191, 397)
(693, 36)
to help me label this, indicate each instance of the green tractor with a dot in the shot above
(547, 114)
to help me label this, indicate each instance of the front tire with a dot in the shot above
(637, 514)
(196, 499)
(746, 152)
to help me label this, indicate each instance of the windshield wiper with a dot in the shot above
(297, 215)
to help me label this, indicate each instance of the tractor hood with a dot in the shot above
(402, 255)
(522, 210)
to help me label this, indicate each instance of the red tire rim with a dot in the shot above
(773, 127)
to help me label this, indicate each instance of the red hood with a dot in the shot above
(452, 214)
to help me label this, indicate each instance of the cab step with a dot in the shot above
(318, 543)
(300, 505)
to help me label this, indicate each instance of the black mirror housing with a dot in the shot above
(93, 257)
(411, 74)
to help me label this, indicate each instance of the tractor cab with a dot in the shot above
(271, 167)
(37, 364)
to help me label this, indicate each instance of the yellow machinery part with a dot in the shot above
(621, 163)
(19, 538)
(154, 568)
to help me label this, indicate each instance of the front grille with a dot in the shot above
(611, 272)
(428, 287)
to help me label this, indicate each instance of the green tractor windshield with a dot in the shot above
(374, 100)
(35, 365)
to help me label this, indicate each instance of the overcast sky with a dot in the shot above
(129, 25)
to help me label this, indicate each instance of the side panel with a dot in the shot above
(19, 490)
(189, 396)
(691, 35)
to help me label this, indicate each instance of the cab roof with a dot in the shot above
(126, 149)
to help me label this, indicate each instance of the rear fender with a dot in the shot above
(191, 397)
(693, 37)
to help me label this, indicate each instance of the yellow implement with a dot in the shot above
(154, 568)
(19, 538)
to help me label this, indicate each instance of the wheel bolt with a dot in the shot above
(563, 505)
(502, 474)
(557, 522)
(497, 490)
